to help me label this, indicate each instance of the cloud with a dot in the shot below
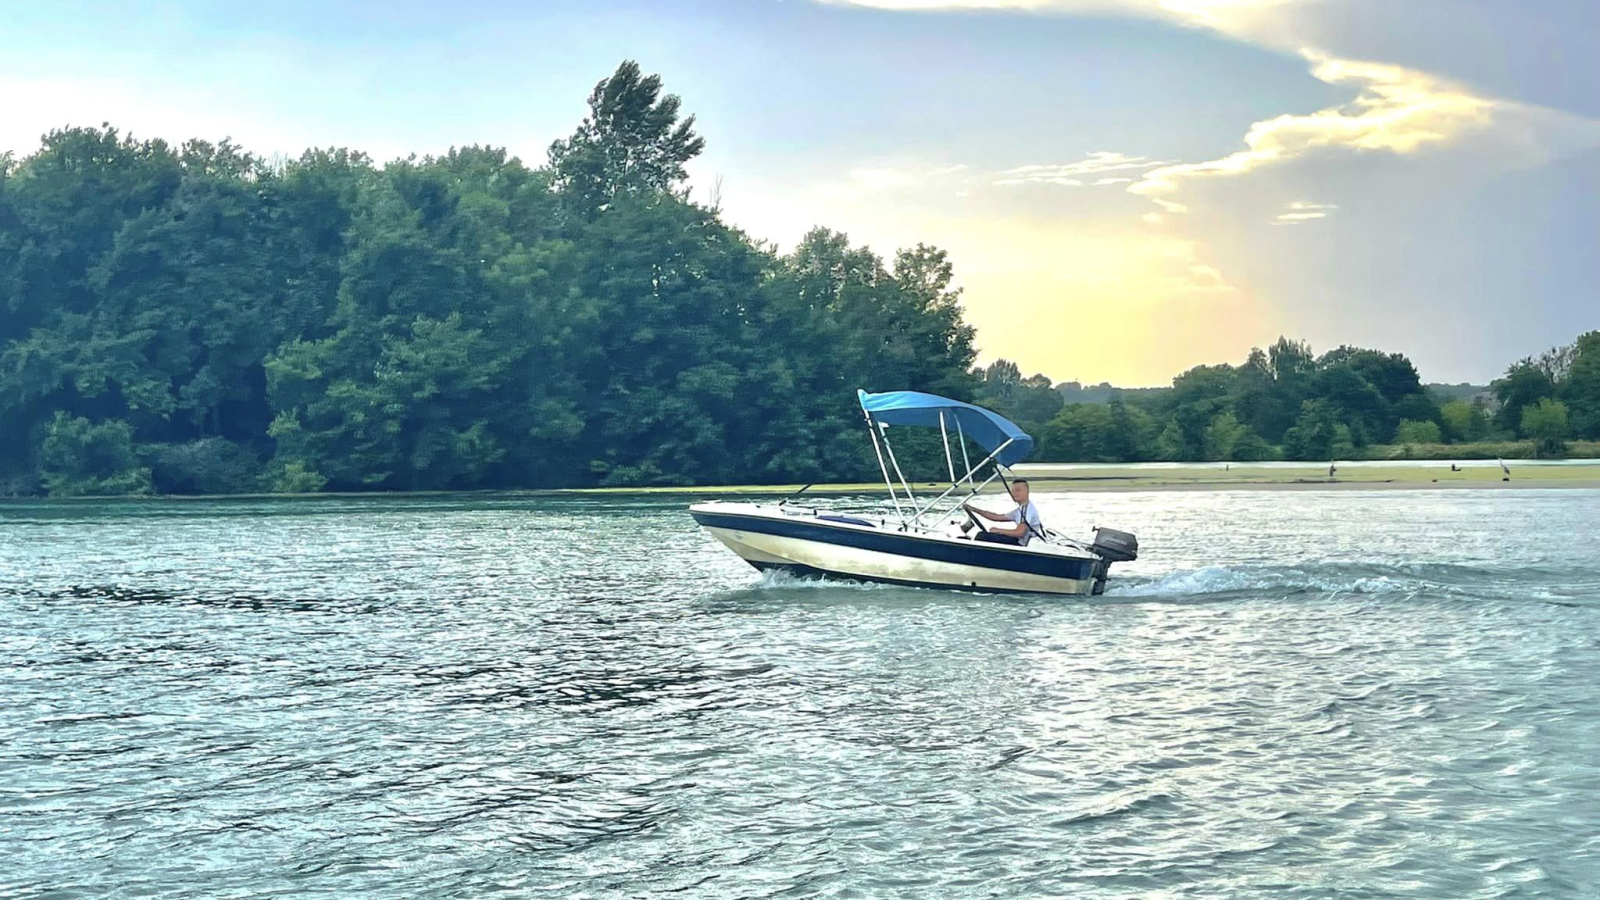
(1304, 211)
(1396, 110)
(1072, 174)
(1239, 18)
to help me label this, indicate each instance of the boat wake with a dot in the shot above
(778, 579)
(1431, 580)
(1231, 580)
(1312, 579)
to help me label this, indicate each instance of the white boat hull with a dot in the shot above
(814, 546)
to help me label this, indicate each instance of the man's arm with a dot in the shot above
(1016, 529)
(993, 517)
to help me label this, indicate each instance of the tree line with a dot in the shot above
(1286, 402)
(198, 319)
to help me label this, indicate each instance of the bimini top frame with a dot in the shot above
(1000, 436)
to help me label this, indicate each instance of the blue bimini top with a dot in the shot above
(988, 429)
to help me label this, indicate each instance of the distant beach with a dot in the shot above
(1272, 476)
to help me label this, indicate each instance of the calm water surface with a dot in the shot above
(1384, 694)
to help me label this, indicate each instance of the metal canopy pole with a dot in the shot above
(872, 428)
(961, 436)
(910, 497)
(979, 486)
(922, 511)
(944, 436)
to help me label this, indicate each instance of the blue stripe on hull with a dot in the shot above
(975, 553)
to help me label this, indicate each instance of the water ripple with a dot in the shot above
(1358, 695)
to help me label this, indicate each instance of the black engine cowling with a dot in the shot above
(1115, 546)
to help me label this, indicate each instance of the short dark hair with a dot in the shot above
(1019, 481)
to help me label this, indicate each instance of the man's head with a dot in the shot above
(1019, 490)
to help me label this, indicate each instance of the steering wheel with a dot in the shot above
(971, 517)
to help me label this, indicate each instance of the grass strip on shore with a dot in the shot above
(1210, 476)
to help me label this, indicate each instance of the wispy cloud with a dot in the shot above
(1394, 110)
(1230, 16)
(1301, 211)
(1397, 110)
(1073, 174)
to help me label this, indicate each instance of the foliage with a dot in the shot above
(1580, 390)
(1084, 432)
(81, 457)
(1412, 432)
(194, 319)
(210, 465)
(1475, 450)
(1284, 397)
(1461, 421)
(292, 477)
(1524, 385)
(1318, 433)
(1546, 424)
(1223, 435)
(631, 142)
(1030, 401)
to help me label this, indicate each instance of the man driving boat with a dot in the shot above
(1024, 521)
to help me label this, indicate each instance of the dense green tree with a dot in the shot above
(1082, 432)
(1030, 401)
(211, 465)
(1198, 397)
(82, 457)
(1357, 403)
(1411, 432)
(1581, 388)
(1461, 420)
(631, 142)
(1524, 384)
(194, 319)
(1417, 407)
(1223, 435)
(1546, 424)
(1390, 374)
(1251, 447)
(1318, 434)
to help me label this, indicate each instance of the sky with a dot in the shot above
(1127, 188)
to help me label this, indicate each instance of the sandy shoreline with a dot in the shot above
(1076, 479)
(1211, 477)
(1058, 485)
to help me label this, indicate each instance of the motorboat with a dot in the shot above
(924, 543)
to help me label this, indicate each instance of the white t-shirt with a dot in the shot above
(1033, 519)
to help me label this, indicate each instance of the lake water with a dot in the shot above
(1351, 694)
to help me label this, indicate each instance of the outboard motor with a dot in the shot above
(1111, 546)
